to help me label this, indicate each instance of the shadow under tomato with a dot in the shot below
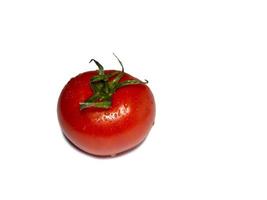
(101, 157)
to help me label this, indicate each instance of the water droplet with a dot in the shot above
(119, 113)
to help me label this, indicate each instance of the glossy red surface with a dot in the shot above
(106, 132)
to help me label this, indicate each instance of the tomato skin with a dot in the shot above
(106, 132)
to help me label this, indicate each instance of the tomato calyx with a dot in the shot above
(105, 85)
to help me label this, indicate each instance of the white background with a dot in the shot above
(206, 62)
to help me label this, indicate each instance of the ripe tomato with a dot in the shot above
(106, 112)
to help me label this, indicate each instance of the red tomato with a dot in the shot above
(105, 126)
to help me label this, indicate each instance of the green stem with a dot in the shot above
(102, 104)
(100, 67)
(122, 68)
(104, 88)
(131, 82)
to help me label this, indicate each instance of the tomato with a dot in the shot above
(106, 112)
